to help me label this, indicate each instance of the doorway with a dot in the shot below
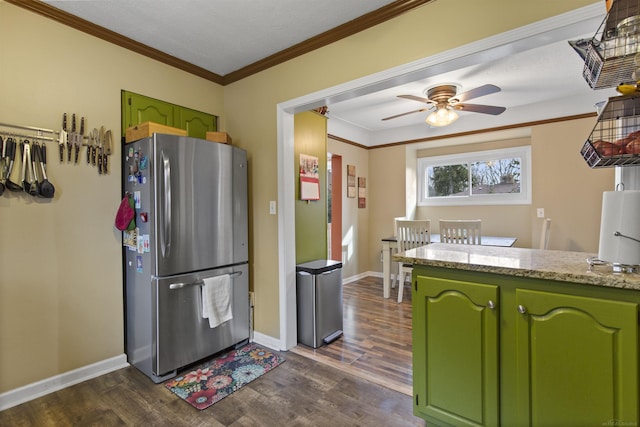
(334, 207)
(531, 36)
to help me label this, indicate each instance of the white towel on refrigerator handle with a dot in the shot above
(216, 299)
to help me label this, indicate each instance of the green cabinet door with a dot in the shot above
(577, 360)
(139, 109)
(455, 352)
(196, 123)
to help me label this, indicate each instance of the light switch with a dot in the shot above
(540, 212)
(272, 207)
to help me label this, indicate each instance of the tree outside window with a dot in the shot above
(484, 177)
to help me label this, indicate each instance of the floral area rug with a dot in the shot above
(220, 377)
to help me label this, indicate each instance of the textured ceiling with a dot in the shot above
(221, 36)
(540, 76)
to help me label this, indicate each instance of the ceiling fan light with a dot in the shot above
(442, 117)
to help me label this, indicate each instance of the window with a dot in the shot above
(490, 177)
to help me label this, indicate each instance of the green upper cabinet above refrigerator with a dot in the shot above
(196, 123)
(138, 109)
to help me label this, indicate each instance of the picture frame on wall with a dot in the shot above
(362, 192)
(351, 181)
(309, 178)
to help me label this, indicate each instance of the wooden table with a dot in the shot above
(389, 244)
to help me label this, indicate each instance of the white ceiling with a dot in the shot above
(219, 35)
(540, 79)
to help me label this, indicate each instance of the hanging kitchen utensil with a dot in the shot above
(94, 148)
(100, 150)
(43, 151)
(93, 136)
(64, 137)
(72, 137)
(34, 190)
(10, 184)
(3, 165)
(79, 137)
(25, 164)
(45, 188)
(108, 146)
(11, 155)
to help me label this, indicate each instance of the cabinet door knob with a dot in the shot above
(491, 305)
(522, 309)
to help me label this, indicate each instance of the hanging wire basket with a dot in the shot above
(615, 139)
(611, 55)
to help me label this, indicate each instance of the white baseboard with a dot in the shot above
(49, 385)
(267, 341)
(360, 276)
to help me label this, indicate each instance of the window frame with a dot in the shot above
(468, 158)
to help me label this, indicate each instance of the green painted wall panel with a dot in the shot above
(310, 134)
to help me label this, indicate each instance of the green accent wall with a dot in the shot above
(310, 138)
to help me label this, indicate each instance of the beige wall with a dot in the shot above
(562, 184)
(60, 265)
(60, 260)
(387, 198)
(565, 186)
(355, 221)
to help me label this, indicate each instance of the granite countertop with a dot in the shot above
(563, 266)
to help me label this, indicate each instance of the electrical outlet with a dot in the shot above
(272, 207)
(540, 212)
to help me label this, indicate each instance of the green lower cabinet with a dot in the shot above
(497, 350)
(577, 360)
(455, 348)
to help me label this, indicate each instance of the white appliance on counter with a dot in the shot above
(620, 229)
(191, 228)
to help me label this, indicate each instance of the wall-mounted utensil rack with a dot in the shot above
(34, 132)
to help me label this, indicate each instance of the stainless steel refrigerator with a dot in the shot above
(191, 225)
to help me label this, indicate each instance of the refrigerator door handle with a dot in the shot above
(166, 226)
(181, 285)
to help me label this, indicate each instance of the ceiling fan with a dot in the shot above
(446, 100)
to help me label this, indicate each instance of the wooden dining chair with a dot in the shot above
(393, 275)
(467, 232)
(410, 234)
(544, 235)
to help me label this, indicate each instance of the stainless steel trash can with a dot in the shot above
(319, 302)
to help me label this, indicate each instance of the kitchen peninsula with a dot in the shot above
(517, 337)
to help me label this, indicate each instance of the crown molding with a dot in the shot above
(371, 19)
(345, 30)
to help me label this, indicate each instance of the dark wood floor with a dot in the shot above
(300, 392)
(376, 344)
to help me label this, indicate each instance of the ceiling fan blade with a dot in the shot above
(416, 98)
(477, 92)
(404, 114)
(477, 108)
